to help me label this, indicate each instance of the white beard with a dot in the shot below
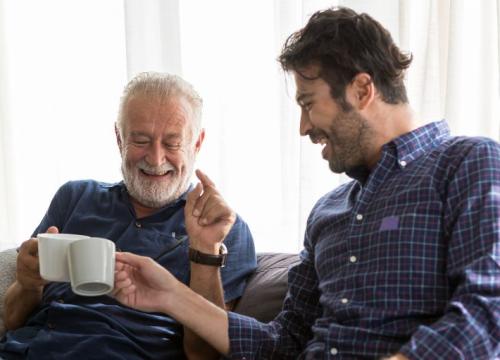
(152, 193)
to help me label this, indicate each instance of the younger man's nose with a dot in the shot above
(305, 124)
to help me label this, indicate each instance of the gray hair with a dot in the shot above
(161, 86)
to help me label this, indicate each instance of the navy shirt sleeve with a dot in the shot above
(286, 336)
(470, 325)
(57, 212)
(241, 260)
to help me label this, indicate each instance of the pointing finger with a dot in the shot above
(204, 178)
(191, 200)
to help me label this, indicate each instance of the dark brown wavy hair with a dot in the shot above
(344, 43)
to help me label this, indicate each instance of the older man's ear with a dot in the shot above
(118, 138)
(199, 141)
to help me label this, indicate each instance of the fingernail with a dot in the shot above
(196, 212)
(204, 221)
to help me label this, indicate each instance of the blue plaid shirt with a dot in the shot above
(405, 259)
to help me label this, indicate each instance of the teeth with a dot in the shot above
(155, 173)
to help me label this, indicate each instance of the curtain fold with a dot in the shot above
(62, 69)
(152, 36)
(7, 203)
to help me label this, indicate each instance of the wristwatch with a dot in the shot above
(209, 259)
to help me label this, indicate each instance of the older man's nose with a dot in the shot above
(156, 155)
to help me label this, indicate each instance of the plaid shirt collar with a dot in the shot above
(412, 145)
(406, 148)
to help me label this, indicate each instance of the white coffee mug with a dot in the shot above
(92, 266)
(52, 250)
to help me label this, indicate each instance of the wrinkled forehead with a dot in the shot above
(171, 112)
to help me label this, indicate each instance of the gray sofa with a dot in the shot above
(262, 298)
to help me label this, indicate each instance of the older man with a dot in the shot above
(401, 262)
(159, 135)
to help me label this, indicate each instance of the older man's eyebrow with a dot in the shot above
(172, 136)
(138, 134)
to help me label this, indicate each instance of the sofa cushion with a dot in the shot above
(8, 271)
(266, 288)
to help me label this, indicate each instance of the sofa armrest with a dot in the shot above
(267, 286)
(8, 275)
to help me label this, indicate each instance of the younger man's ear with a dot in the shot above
(362, 90)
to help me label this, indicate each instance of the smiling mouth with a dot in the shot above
(321, 140)
(157, 175)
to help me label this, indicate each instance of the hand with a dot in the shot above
(28, 265)
(141, 283)
(208, 217)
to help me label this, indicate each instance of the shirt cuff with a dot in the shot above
(245, 337)
(427, 344)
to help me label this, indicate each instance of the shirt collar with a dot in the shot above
(407, 147)
(412, 145)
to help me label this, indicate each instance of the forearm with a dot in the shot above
(19, 303)
(205, 280)
(202, 317)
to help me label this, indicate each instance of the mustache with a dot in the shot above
(316, 134)
(157, 170)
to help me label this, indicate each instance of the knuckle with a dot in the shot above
(24, 246)
(208, 188)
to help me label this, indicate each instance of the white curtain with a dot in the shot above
(228, 50)
(62, 69)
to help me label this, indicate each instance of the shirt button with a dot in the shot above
(353, 259)
(402, 163)
(138, 224)
(51, 326)
(344, 301)
(359, 217)
(334, 351)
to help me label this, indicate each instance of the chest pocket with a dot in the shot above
(174, 257)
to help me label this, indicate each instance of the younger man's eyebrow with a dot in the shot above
(301, 97)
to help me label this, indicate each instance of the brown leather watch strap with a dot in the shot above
(209, 259)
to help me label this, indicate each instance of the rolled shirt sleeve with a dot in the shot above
(284, 337)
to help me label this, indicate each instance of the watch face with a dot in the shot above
(223, 249)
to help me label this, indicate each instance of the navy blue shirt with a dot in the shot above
(68, 326)
(405, 258)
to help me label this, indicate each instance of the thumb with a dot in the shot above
(53, 230)
(192, 197)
